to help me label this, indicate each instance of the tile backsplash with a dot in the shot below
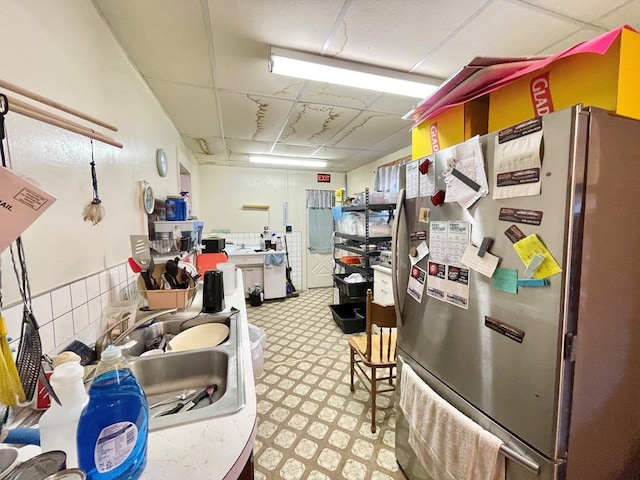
(71, 311)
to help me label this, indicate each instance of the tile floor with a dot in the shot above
(310, 425)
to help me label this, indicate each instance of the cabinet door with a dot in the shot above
(275, 281)
(251, 276)
(382, 292)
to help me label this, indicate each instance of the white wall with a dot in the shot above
(224, 190)
(363, 177)
(64, 51)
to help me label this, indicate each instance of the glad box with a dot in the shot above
(610, 81)
(451, 127)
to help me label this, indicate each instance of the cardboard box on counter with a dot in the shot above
(451, 127)
(610, 81)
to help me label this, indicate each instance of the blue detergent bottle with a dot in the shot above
(114, 426)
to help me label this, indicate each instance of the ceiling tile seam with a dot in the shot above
(212, 65)
(182, 84)
(452, 34)
(334, 30)
(561, 16)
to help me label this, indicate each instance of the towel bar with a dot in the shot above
(521, 459)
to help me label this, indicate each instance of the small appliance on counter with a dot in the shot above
(213, 244)
(213, 291)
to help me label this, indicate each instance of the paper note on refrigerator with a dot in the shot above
(465, 176)
(516, 160)
(427, 180)
(415, 286)
(528, 247)
(485, 265)
(412, 182)
(21, 203)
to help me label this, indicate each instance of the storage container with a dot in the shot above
(176, 208)
(358, 289)
(349, 316)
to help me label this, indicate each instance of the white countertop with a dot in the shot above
(382, 268)
(247, 251)
(213, 449)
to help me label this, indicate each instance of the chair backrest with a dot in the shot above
(384, 317)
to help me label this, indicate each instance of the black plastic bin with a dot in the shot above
(358, 289)
(349, 316)
(255, 299)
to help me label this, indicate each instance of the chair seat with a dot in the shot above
(359, 344)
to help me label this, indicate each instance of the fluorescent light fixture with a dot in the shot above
(292, 162)
(342, 72)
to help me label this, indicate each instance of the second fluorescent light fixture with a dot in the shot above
(341, 72)
(292, 162)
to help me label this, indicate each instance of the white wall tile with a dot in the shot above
(13, 320)
(80, 318)
(93, 286)
(78, 293)
(41, 307)
(95, 310)
(63, 329)
(123, 272)
(105, 284)
(47, 337)
(61, 301)
(114, 277)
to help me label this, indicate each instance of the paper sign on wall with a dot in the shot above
(21, 203)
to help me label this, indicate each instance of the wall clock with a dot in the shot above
(161, 162)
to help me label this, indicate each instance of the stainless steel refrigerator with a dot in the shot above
(552, 370)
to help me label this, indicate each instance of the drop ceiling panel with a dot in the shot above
(393, 104)
(396, 34)
(503, 29)
(586, 10)
(395, 141)
(164, 38)
(315, 124)
(243, 67)
(627, 15)
(319, 92)
(571, 40)
(366, 130)
(303, 24)
(290, 150)
(205, 146)
(252, 117)
(192, 109)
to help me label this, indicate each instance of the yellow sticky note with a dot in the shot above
(530, 246)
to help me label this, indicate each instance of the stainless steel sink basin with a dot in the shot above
(166, 376)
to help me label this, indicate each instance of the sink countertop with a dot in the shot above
(251, 251)
(212, 449)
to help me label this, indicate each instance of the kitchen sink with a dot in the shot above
(164, 377)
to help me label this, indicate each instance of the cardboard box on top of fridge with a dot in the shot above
(608, 78)
(450, 127)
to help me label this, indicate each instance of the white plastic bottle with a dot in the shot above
(58, 425)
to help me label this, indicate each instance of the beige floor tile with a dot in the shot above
(310, 425)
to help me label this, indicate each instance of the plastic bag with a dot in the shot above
(258, 340)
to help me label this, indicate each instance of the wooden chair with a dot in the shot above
(373, 352)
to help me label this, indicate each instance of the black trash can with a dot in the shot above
(255, 299)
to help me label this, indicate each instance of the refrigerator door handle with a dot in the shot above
(394, 253)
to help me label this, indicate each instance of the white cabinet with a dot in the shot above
(275, 281)
(382, 288)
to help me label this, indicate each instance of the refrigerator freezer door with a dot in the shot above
(517, 384)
